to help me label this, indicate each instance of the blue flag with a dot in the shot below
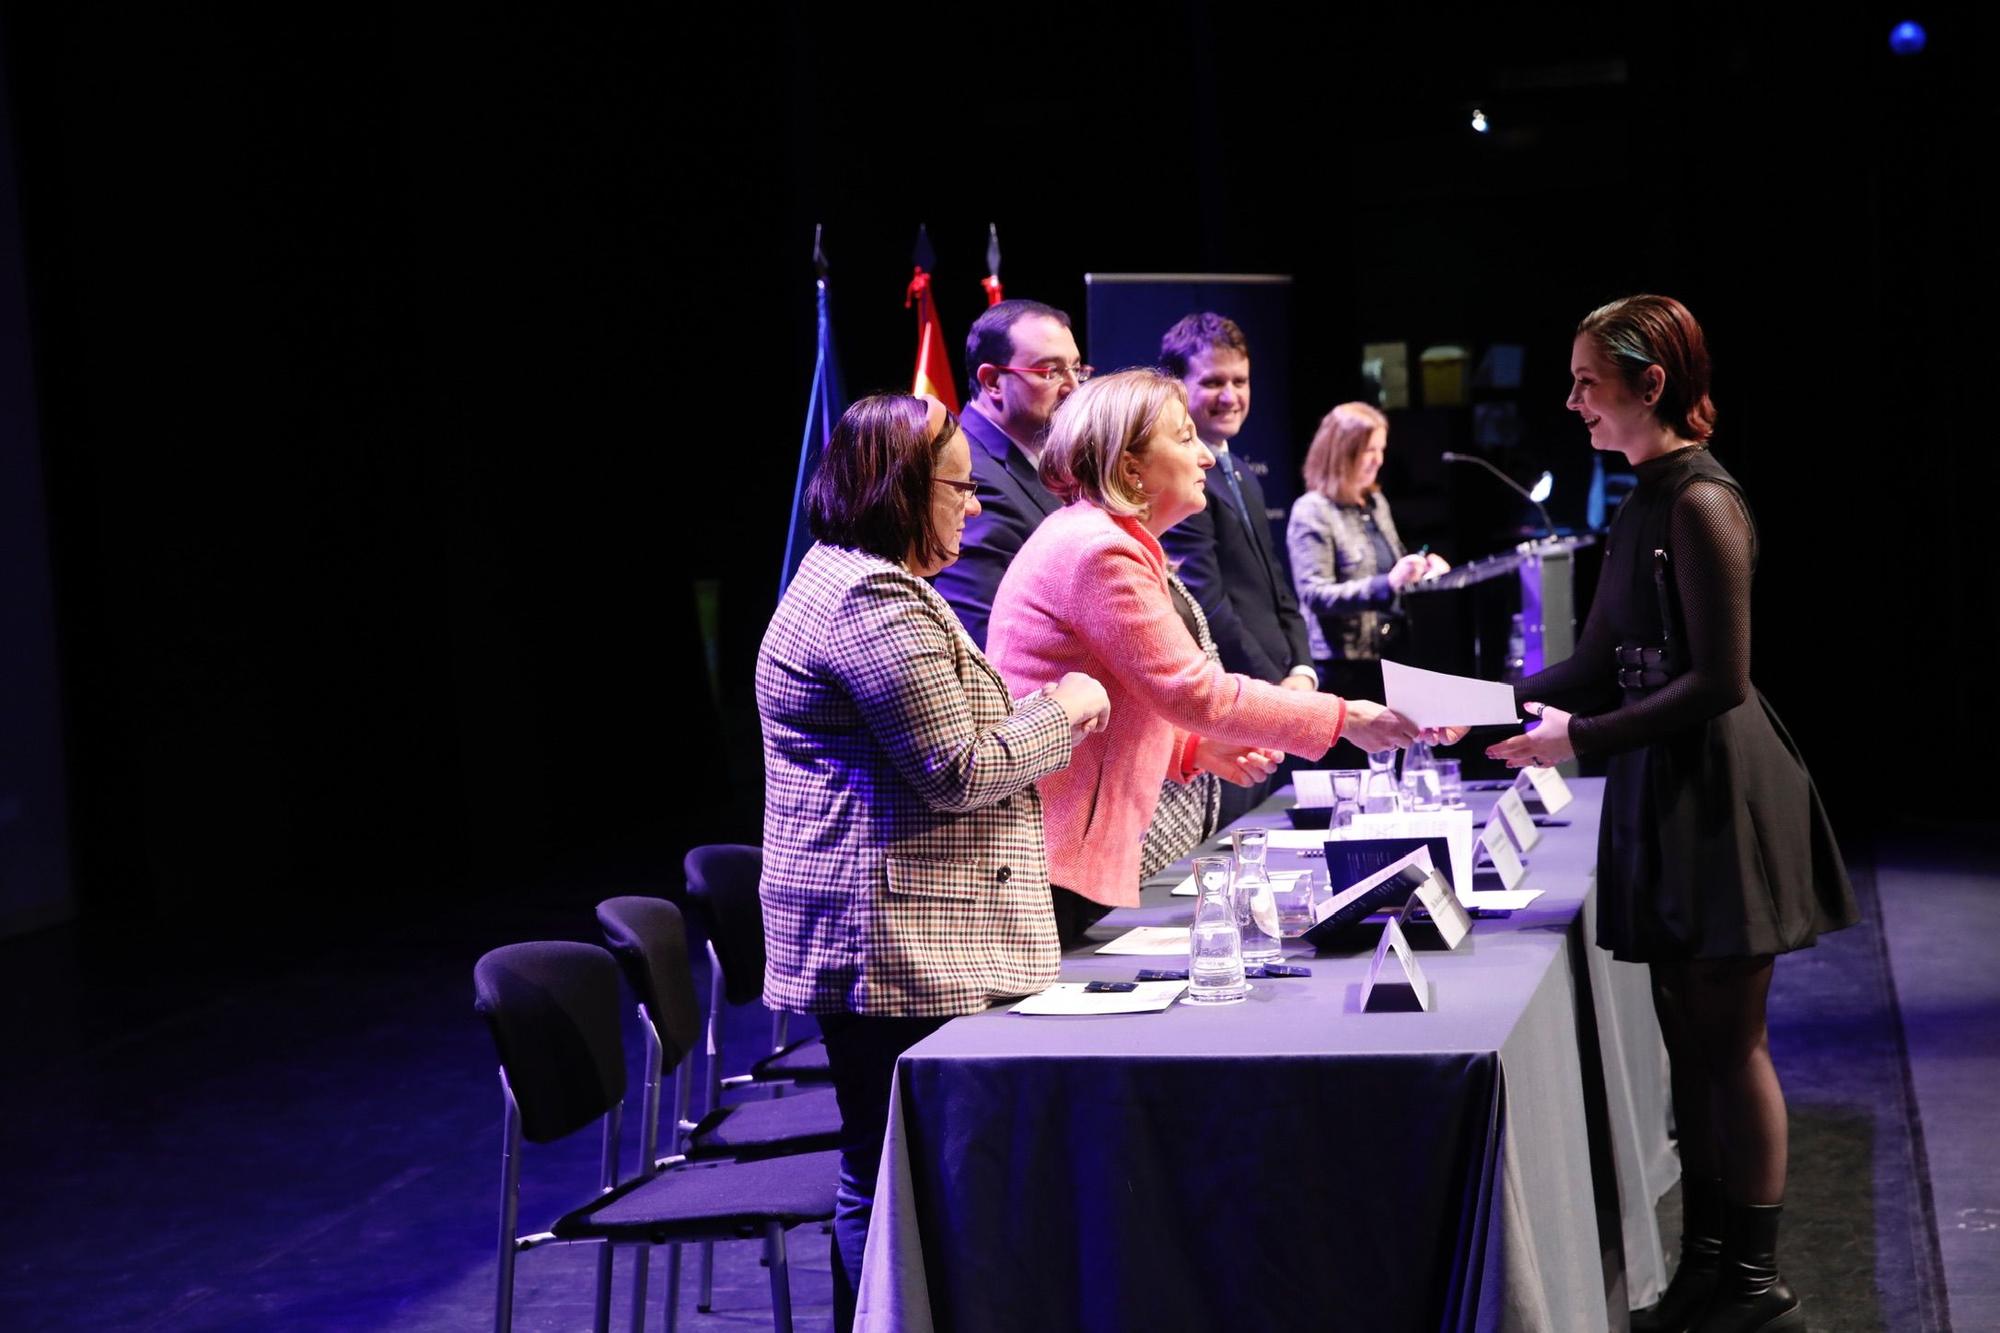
(823, 408)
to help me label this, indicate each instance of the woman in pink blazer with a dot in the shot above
(1090, 592)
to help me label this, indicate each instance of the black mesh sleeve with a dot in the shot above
(1714, 551)
(1585, 681)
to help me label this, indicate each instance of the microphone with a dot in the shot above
(1547, 523)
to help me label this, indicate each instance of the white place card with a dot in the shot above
(1520, 823)
(1549, 785)
(1297, 839)
(1387, 990)
(1150, 942)
(1454, 826)
(1070, 997)
(1453, 925)
(1500, 847)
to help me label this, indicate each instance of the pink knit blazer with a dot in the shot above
(1088, 592)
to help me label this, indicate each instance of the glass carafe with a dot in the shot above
(1215, 947)
(1379, 791)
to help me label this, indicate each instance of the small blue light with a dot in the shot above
(1479, 120)
(1907, 38)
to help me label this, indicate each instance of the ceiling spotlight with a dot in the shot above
(1907, 38)
(1479, 119)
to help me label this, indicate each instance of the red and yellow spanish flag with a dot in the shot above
(933, 361)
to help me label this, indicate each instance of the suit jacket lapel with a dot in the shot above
(1031, 493)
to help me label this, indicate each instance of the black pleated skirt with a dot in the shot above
(1714, 845)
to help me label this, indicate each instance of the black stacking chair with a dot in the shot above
(722, 897)
(553, 1012)
(649, 940)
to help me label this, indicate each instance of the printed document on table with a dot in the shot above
(1151, 942)
(1069, 997)
(1435, 699)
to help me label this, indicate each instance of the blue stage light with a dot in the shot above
(1479, 120)
(1907, 38)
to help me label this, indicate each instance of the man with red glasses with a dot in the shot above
(1021, 360)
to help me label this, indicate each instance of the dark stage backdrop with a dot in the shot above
(419, 394)
(1128, 313)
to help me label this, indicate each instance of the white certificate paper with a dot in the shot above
(1435, 699)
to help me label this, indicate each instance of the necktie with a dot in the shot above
(1235, 487)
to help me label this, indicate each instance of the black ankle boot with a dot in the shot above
(1750, 1297)
(1701, 1260)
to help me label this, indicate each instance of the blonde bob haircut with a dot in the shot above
(1343, 433)
(1108, 417)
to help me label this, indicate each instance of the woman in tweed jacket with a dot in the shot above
(905, 880)
(1348, 564)
(1089, 592)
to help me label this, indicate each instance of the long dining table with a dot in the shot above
(1492, 1163)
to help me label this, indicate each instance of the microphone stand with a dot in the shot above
(1548, 524)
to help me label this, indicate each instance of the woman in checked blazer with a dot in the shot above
(905, 879)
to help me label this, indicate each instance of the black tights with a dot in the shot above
(1727, 1103)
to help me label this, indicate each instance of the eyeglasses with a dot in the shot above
(966, 489)
(1050, 374)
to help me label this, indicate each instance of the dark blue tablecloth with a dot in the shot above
(1288, 1158)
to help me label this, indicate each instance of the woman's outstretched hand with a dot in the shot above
(1544, 747)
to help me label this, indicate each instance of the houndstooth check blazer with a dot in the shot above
(904, 866)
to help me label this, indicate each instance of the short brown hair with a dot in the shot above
(1195, 334)
(1106, 418)
(1635, 332)
(872, 490)
(1343, 433)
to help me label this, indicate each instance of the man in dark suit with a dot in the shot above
(1020, 361)
(1227, 557)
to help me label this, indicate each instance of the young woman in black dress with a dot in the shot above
(1714, 855)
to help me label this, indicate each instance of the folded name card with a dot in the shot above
(1454, 826)
(1398, 989)
(1387, 889)
(1500, 847)
(1549, 785)
(1520, 823)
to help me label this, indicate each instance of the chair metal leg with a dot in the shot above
(510, 1207)
(781, 1277)
(649, 1142)
(707, 1277)
(639, 1289)
(607, 1180)
(673, 1285)
(780, 1030)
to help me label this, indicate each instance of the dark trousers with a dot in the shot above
(861, 1053)
(1074, 915)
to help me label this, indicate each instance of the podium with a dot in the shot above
(1462, 621)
